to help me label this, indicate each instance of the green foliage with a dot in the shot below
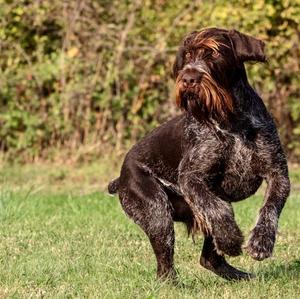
(88, 72)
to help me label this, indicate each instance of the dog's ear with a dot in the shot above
(178, 63)
(246, 47)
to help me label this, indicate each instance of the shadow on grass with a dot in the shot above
(274, 271)
(196, 282)
(289, 270)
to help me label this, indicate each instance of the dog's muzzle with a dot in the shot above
(190, 78)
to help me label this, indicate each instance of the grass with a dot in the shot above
(64, 242)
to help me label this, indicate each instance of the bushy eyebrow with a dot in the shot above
(208, 43)
(200, 41)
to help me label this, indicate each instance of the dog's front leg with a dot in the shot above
(262, 237)
(213, 215)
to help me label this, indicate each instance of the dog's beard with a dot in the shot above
(205, 100)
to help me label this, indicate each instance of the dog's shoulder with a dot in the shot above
(161, 144)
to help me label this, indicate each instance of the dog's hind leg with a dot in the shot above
(144, 200)
(216, 263)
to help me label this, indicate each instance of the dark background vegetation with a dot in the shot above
(96, 74)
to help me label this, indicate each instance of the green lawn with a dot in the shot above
(61, 244)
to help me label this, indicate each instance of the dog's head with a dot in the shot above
(207, 65)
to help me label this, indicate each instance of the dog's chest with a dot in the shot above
(240, 178)
(239, 161)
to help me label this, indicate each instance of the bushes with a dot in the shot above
(98, 72)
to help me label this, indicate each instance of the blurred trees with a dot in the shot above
(97, 72)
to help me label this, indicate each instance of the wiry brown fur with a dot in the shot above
(193, 167)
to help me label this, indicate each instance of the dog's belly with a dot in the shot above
(236, 188)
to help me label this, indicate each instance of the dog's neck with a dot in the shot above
(246, 101)
(249, 114)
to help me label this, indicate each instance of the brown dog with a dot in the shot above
(218, 151)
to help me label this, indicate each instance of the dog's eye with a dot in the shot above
(206, 53)
(188, 56)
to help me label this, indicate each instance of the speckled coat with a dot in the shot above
(191, 169)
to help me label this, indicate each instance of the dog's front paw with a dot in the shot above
(230, 242)
(261, 243)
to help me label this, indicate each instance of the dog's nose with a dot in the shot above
(191, 77)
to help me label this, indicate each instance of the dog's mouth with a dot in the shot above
(189, 96)
(191, 102)
(204, 99)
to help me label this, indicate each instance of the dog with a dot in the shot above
(218, 151)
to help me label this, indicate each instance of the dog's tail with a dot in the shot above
(113, 186)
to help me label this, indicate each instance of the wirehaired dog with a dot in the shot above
(222, 147)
